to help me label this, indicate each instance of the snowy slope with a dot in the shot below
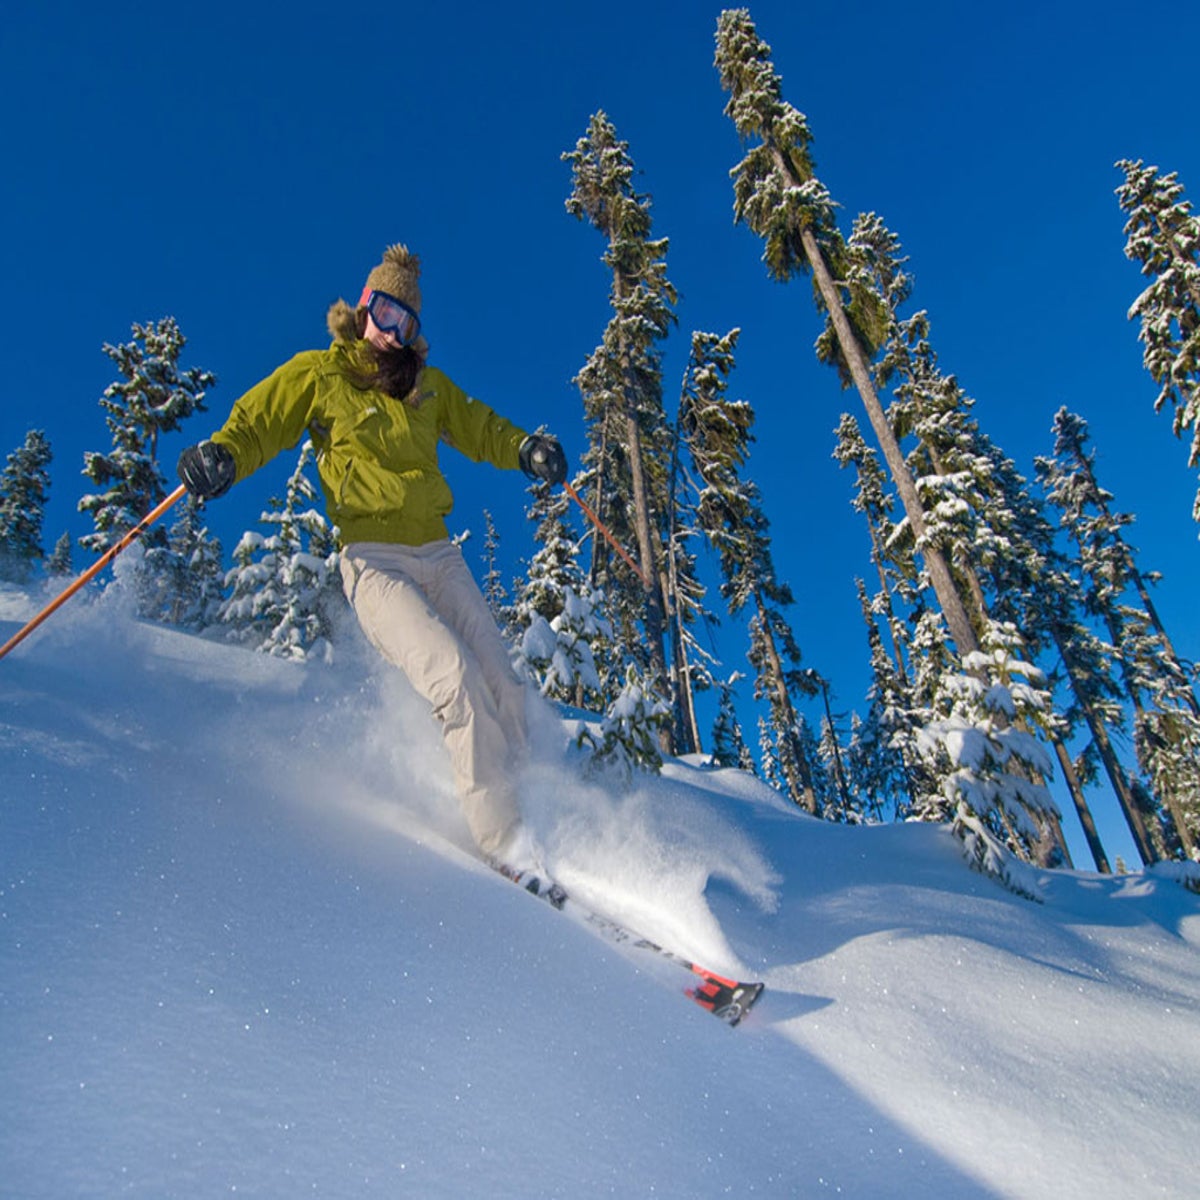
(243, 950)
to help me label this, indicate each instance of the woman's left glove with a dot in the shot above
(207, 470)
(543, 458)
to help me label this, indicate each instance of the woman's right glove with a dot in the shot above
(207, 470)
(543, 458)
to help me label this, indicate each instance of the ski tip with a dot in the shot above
(726, 999)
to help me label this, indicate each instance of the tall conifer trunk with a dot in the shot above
(940, 576)
(1083, 811)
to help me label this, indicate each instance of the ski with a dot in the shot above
(727, 999)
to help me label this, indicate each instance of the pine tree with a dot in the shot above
(24, 486)
(493, 585)
(557, 618)
(891, 550)
(1078, 488)
(285, 593)
(152, 397)
(717, 433)
(1164, 236)
(59, 562)
(703, 410)
(775, 657)
(1154, 681)
(247, 610)
(628, 740)
(978, 512)
(808, 745)
(993, 784)
(560, 653)
(1166, 737)
(729, 747)
(184, 580)
(864, 754)
(885, 763)
(841, 804)
(554, 566)
(627, 459)
(692, 662)
(777, 194)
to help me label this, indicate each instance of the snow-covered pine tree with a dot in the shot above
(702, 411)
(493, 588)
(692, 662)
(153, 396)
(891, 548)
(247, 608)
(555, 565)
(59, 562)
(809, 742)
(628, 739)
(285, 592)
(628, 452)
(777, 194)
(184, 580)
(883, 762)
(768, 763)
(717, 432)
(993, 784)
(863, 753)
(841, 805)
(24, 487)
(1164, 236)
(932, 662)
(1166, 736)
(995, 536)
(775, 657)
(560, 653)
(1155, 682)
(564, 639)
(978, 511)
(729, 747)
(1078, 487)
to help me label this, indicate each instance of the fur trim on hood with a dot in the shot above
(342, 322)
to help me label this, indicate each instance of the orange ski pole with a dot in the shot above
(93, 570)
(606, 532)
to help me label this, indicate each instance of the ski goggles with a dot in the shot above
(394, 316)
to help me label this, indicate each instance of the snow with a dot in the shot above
(244, 950)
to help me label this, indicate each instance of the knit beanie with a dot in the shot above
(398, 275)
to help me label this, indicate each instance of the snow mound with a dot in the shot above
(244, 947)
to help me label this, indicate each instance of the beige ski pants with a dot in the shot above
(423, 611)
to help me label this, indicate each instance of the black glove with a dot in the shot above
(543, 458)
(207, 470)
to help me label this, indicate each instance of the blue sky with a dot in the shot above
(242, 166)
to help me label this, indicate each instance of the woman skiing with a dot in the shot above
(376, 412)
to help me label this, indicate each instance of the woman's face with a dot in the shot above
(379, 339)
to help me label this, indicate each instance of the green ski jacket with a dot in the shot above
(376, 456)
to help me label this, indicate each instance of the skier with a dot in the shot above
(376, 412)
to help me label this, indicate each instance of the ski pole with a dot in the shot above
(608, 536)
(93, 570)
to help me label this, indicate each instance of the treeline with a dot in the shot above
(1010, 627)
(281, 594)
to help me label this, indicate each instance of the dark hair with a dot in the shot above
(392, 371)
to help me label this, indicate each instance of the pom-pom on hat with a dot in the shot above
(398, 274)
